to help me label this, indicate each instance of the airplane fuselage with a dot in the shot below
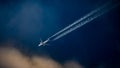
(44, 43)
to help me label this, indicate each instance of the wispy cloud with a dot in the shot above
(12, 58)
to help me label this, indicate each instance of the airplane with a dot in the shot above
(44, 43)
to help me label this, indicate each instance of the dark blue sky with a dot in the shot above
(26, 21)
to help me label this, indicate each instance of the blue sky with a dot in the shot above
(28, 21)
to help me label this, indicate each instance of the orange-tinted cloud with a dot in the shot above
(12, 58)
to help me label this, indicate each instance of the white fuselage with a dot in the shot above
(43, 43)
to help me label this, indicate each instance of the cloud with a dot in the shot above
(12, 58)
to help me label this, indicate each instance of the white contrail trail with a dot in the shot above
(84, 20)
(77, 26)
(79, 20)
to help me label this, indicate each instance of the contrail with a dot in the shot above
(84, 20)
(78, 21)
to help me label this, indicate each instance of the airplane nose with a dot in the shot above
(40, 44)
